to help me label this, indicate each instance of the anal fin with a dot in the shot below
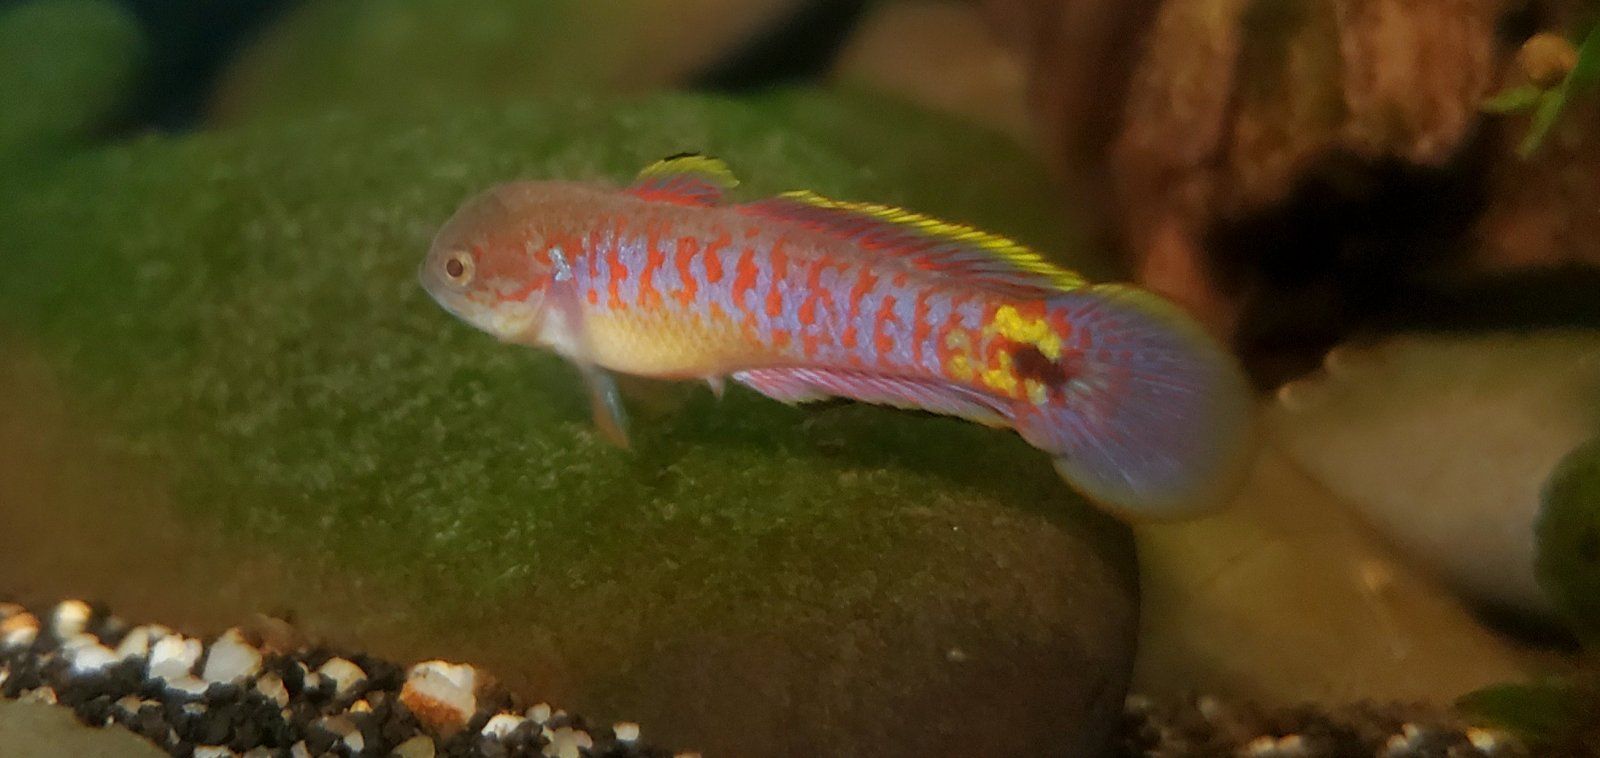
(803, 385)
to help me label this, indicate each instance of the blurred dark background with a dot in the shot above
(192, 40)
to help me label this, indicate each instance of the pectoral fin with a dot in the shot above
(717, 385)
(606, 402)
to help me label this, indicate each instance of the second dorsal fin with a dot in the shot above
(686, 179)
(922, 241)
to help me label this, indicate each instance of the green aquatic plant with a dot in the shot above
(1560, 715)
(1568, 537)
(1547, 103)
(1550, 716)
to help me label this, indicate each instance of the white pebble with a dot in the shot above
(231, 659)
(567, 742)
(1403, 743)
(214, 751)
(89, 656)
(626, 731)
(130, 704)
(441, 695)
(19, 631)
(1267, 746)
(136, 643)
(70, 618)
(1486, 740)
(345, 729)
(174, 657)
(272, 687)
(417, 747)
(501, 725)
(188, 684)
(346, 676)
(299, 750)
(361, 706)
(539, 713)
(46, 695)
(79, 640)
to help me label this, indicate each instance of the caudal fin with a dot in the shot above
(1154, 419)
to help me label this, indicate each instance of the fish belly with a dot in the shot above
(660, 346)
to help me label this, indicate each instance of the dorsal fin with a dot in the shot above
(922, 241)
(686, 179)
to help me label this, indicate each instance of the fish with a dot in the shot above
(801, 298)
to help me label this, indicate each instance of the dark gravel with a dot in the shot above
(109, 686)
(1208, 726)
(239, 718)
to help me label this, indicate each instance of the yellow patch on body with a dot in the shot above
(1012, 325)
(960, 366)
(1001, 377)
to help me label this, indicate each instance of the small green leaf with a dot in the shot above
(1544, 119)
(1542, 712)
(1568, 538)
(1513, 100)
(1583, 76)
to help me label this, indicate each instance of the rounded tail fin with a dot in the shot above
(1155, 419)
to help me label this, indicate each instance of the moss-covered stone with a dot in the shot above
(66, 68)
(400, 54)
(237, 314)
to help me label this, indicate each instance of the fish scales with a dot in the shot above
(797, 294)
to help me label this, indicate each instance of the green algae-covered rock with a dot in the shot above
(65, 67)
(234, 319)
(398, 54)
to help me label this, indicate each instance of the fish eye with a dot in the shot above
(458, 268)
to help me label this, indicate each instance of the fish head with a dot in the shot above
(494, 262)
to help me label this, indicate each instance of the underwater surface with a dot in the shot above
(260, 494)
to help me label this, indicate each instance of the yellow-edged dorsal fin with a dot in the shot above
(686, 179)
(927, 243)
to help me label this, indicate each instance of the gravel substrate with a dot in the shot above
(1206, 726)
(261, 692)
